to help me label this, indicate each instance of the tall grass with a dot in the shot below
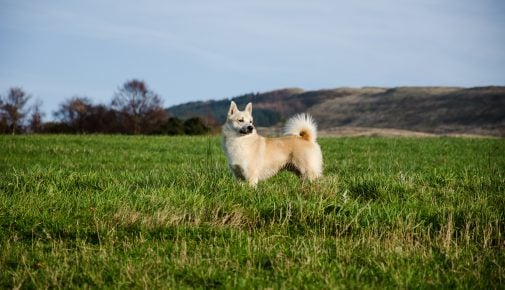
(164, 212)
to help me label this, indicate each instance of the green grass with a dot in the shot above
(164, 212)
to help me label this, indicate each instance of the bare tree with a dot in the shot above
(36, 117)
(103, 119)
(141, 107)
(13, 109)
(74, 113)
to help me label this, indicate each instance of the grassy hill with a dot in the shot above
(440, 110)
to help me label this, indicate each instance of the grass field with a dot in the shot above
(164, 212)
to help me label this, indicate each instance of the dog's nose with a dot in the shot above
(250, 128)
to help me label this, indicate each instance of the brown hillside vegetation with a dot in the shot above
(432, 110)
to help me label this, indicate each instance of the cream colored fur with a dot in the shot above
(252, 157)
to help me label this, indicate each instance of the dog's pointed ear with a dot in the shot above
(233, 108)
(248, 108)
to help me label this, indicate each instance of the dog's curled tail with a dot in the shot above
(302, 125)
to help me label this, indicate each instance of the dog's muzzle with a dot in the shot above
(247, 130)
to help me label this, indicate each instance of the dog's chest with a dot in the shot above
(236, 150)
(240, 151)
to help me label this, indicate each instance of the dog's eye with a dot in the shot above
(241, 120)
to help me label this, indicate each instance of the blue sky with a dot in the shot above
(198, 50)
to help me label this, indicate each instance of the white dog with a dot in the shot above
(252, 157)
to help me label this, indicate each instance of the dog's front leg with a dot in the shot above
(238, 172)
(252, 175)
(253, 180)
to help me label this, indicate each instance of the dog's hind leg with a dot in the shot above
(314, 169)
(309, 168)
(311, 175)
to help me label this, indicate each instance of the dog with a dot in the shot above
(252, 157)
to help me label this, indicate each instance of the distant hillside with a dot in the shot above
(440, 110)
(269, 108)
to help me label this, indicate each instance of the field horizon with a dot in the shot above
(114, 211)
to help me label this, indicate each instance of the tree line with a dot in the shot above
(134, 109)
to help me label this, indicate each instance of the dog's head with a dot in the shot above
(240, 122)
